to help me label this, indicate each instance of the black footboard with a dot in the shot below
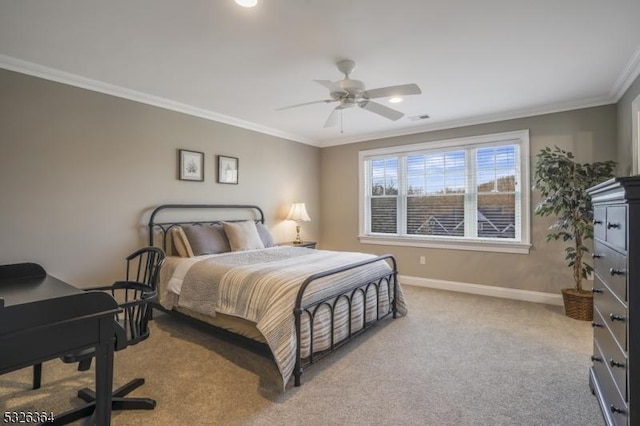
(389, 279)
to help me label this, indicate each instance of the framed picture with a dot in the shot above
(190, 165)
(227, 169)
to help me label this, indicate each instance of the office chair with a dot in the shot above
(134, 296)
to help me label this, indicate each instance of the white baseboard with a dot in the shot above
(484, 290)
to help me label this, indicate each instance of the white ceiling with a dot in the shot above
(475, 61)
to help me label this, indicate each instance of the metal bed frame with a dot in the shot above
(390, 280)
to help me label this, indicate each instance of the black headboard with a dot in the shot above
(164, 227)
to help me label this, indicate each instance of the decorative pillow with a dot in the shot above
(242, 235)
(206, 239)
(265, 235)
(180, 242)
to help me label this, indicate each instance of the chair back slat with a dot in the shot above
(143, 266)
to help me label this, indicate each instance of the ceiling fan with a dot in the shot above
(351, 93)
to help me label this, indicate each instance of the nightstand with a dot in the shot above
(306, 244)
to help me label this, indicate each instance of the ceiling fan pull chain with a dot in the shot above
(341, 121)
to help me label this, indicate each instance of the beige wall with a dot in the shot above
(589, 133)
(80, 172)
(625, 149)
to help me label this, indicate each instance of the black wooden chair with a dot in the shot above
(134, 295)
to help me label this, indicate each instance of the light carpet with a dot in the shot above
(456, 359)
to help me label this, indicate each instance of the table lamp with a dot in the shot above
(298, 213)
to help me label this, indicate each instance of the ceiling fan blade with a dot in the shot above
(326, 101)
(380, 109)
(333, 87)
(384, 92)
(332, 121)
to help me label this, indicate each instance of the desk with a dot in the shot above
(44, 318)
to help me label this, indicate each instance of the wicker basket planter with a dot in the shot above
(578, 304)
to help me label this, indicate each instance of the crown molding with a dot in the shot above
(624, 81)
(36, 70)
(626, 78)
(484, 119)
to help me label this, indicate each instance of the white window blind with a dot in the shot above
(465, 190)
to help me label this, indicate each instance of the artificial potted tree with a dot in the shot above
(563, 185)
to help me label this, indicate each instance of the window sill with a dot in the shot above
(479, 245)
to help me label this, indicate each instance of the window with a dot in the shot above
(469, 193)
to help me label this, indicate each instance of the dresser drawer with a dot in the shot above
(614, 402)
(599, 222)
(611, 266)
(613, 311)
(616, 226)
(611, 353)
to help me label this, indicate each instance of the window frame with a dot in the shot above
(518, 137)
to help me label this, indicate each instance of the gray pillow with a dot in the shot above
(206, 239)
(265, 235)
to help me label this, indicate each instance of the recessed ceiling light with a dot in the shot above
(247, 3)
(395, 100)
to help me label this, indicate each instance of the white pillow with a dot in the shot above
(242, 235)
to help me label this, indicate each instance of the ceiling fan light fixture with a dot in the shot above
(247, 3)
(349, 93)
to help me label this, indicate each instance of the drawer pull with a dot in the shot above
(617, 410)
(615, 317)
(613, 225)
(597, 290)
(597, 222)
(596, 324)
(596, 359)
(615, 363)
(595, 256)
(615, 272)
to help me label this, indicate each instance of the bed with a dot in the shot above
(224, 269)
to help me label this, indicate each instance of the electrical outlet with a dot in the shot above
(423, 260)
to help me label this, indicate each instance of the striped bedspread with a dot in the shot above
(261, 286)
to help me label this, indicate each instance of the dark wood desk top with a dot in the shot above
(28, 282)
(34, 289)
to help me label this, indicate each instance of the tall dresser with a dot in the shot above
(615, 374)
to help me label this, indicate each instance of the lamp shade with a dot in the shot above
(298, 213)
